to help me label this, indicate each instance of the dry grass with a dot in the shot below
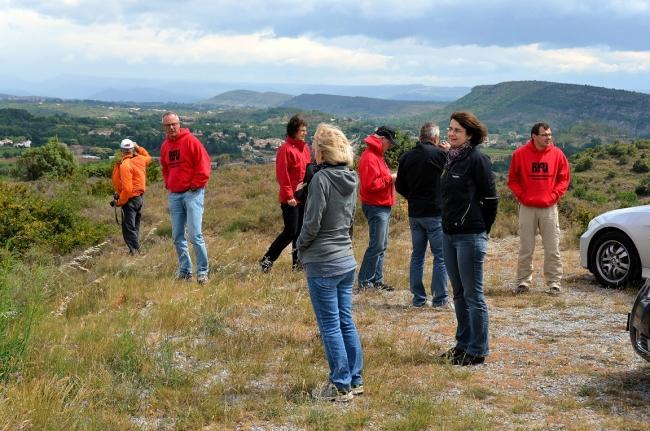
(134, 349)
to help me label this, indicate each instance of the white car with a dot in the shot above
(616, 246)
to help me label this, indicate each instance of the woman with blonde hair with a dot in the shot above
(325, 250)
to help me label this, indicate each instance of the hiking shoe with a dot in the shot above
(382, 286)
(202, 279)
(447, 306)
(522, 288)
(266, 264)
(554, 291)
(329, 392)
(466, 359)
(452, 354)
(366, 285)
(357, 389)
(183, 277)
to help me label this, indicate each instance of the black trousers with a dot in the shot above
(292, 217)
(131, 212)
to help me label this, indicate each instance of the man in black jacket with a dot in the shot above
(418, 180)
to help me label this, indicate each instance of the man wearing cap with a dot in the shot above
(377, 198)
(130, 182)
(539, 175)
(186, 170)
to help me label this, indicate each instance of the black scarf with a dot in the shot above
(457, 153)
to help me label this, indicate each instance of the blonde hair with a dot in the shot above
(332, 145)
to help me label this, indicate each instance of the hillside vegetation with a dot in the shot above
(509, 104)
(99, 340)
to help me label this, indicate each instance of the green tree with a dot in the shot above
(404, 143)
(54, 160)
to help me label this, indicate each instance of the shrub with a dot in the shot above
(640, 166)
(52, 160)
(404, 143)
(629, 198)
(584, 164)
(642, 145)
(27, 219)
(610, 175)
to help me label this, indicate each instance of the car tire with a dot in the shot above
(614, 260)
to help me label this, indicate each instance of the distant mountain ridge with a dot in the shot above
(561, 105)
(363, 106)
(248, 99)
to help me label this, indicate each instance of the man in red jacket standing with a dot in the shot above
(377, 198)
(186, 170)
(539, 175)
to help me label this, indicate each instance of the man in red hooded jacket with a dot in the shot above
(186, 170)
(539, 175)
(377, 198)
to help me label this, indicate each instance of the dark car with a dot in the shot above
(638, 322)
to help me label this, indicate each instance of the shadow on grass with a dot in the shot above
(627, 389)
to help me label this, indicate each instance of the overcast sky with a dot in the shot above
(444, 42)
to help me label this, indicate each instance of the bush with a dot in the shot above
(584, 164)
(628, 198)
(640, 166)
(27, 220)
(404, 143)
(52, 160)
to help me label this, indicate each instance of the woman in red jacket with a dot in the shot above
(290, 165)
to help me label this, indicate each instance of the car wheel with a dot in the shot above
(614, 260)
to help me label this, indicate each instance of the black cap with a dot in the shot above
(387, 132)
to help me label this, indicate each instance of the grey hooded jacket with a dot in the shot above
(329, 213)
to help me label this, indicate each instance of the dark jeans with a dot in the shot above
(131, 212)
(292, 217)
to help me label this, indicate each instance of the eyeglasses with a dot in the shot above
(171, 125)
(451, 129)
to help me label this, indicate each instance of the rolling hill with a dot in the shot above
(362, 106)
(248, 99)
(563, 105)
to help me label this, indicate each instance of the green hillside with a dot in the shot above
(510, 104)
(247, 99)
(360, 106)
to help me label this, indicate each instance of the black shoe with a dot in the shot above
(452, 354)
(382, 286)
(266, 264)
(467, 359)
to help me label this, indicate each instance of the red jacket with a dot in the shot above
(538, 178)
(376, 182)
(185, 163)
(130, 175)
(290, 165)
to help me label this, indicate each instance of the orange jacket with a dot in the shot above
(130, 175)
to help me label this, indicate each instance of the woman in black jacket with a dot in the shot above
(469, 207)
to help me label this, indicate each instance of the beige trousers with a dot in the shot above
(544, 220)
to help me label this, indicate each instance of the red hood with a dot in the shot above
(374, 144)
(531, 144)
(182, 132)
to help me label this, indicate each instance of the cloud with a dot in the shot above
(133, 44)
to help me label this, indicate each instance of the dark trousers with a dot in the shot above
(292, 217)
(131, 212)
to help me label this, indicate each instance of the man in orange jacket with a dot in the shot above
(539, 176)
(130, 182)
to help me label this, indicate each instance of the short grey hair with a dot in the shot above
(169, 114)
(429, 131)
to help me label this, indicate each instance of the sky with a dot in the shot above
(340, 42)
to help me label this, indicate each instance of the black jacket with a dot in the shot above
(418, 179)
(469, 195)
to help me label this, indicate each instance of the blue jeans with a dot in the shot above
(427, 230)
(464, 255)
(187, 209)
(331, 298)
(372, 267)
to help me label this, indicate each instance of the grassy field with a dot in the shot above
(119, 344)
